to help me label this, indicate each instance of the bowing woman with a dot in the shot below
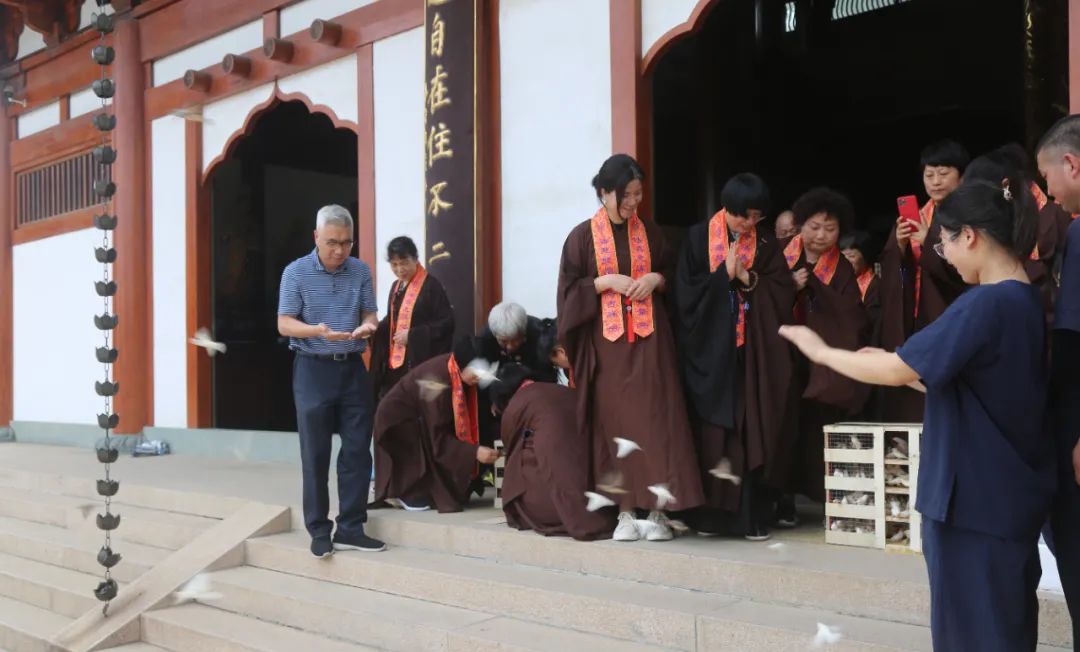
(615, 328)
(420, 321)
(829, 301)
(987, 473)
(733, 291)
(916, 284)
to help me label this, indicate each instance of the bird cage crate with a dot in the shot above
(903, 525)
(854, 492)
(498, 472)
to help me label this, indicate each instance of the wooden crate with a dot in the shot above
(499, 470)
(906, 496)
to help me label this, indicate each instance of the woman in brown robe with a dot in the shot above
(614, 325)
(547, 461)
(419, 323)
(426, 435)
(917, 285)
(733, 292)
(861, 251)
(828, 301)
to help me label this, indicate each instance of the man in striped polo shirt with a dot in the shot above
(327, 309)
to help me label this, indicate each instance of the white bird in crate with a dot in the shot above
(722, 470)
(826, 636)
(202, 338)
(625, 447)
(197, 589)
(597, 501)
(430, 389)
(855, 443)
(663, 495)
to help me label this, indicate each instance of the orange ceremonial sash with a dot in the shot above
(466, 425)
(745, 251)
(638, 313)
(1040, 203)
(824, 269)
(865, 279)
(405, 313)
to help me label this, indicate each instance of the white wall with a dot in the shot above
(399, 146)
(39, 119)
(169, 272)
(332, 85)
(225, 117)
(298, 17)
(85, 101)
(30, 42)
(659, 16)
(556, 132)
(55, 338)
(208, 52)
(89, 8)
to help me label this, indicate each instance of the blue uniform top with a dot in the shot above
(316, 296)
(987, 463)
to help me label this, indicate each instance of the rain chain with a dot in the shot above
(104, 188)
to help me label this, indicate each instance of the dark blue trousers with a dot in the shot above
(982, 590)
(334, 397)
(1064, 542)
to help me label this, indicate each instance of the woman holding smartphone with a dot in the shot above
(987, 472)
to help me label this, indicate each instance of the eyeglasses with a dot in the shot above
(939, 248)
(339, 244)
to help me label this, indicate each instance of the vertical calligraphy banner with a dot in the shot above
(450, 200)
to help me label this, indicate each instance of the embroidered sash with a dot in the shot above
(1040, 203)
(466, 424)
(865, 279)
(405, 313)
(824, 269)
(745, 250)
(639, 314)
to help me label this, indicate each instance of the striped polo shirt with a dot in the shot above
(316, 296)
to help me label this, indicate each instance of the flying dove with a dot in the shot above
(826, 635)
(625, 447)
(663, 495)
(198, 589)
(611, 483)
(597, 501)
(202, 338)
(723, 472)
(430, 389)
(485, 371)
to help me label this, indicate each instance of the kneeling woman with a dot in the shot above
(987, 472)
(547, 462)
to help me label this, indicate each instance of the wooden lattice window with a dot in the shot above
(58, 188)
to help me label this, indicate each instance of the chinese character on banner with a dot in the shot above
(438, 144)
(438, 93)
(438, 35)
(438, 204)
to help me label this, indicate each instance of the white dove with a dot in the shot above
(597, 501)
(430, 389)
(86, 509)
(197, 589)
(611, 483)
(663, 495)
(626, 447)
(899, 535)
(485, 371)
(901, 445)
(723, 472)
(855, 443)
(202, 338)
(894, 507)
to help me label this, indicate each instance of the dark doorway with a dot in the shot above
(846, 93)
(264, 199)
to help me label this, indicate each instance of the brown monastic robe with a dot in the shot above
(834, 311)
(940, 286)
(1044, 262)
(547, 466)
(431, 333)
(417, 453)
(624, 389)
(739, 394)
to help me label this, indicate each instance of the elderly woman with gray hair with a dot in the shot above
(513, 336)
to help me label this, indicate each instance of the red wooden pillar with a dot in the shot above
(133, 368)
(7, 325)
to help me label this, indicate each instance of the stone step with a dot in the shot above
(861, 582)
(197, 627)
(135, 647)
(60, 547)
(387, 621)
(59, 590)
(161, 529)
(646, 614)
(26, 628)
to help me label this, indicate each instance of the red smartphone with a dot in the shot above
(908, 206)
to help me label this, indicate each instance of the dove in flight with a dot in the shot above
(597, 501)
(86, 509)
(202, 338)
(723, 472)
(625, 447)
(197, 589)
(611, 483)
(430, 389)
(663, 495)
(826, 635)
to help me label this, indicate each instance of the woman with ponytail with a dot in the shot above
(986, 477)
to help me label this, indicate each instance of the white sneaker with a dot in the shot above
(626, 530)
(661, 530)
(401, 504)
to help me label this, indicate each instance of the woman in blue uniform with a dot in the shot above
(987, 472)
